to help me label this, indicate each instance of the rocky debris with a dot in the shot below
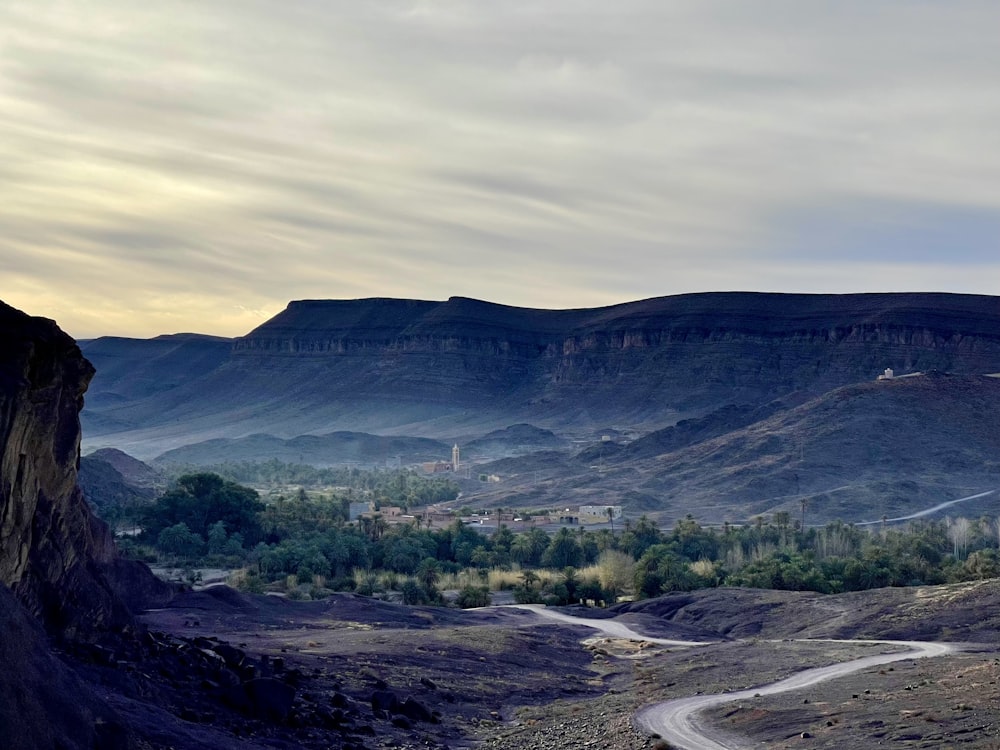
(384, 700)
(606, 728)
(387, 702)
(416, 711)
(263, 697)
(214, 684)
(42, 702)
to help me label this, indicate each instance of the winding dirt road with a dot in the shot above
(677, 720)
(608, 627)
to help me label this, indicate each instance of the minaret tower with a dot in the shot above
(454, 458)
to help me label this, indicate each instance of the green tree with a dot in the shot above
(217, 538)
(201, 500)
(502, 541)
(640, 537)
(180, 540)
(563, 551)
(413, 592)
(661, 570)
(428, 573)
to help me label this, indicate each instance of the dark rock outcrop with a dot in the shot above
(56, 557)
(53, 547)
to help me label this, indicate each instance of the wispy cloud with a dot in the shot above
(193, 166)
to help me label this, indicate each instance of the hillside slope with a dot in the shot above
(333, 449)
(855, 453)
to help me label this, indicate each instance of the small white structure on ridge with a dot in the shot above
(887, 375)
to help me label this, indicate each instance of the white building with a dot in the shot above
(599, 513)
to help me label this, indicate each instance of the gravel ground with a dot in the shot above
(636, 677)
(505, 680)
(941, 703)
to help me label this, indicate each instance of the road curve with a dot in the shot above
(608, 627)
(677, 720)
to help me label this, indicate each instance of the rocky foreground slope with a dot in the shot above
(441, 369)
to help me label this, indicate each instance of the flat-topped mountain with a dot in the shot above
(461, 367)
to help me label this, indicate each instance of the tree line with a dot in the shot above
(206, 519)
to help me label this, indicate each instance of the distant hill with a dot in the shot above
(110, 477)
(332, 449)
(515, 440)
(140, 371)
(132, 470)
(466, 367)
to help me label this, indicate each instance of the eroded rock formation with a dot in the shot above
(55, 556)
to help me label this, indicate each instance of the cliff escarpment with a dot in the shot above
(443, 368)
(664, 354)
(55, 556)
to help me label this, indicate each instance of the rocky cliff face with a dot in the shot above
(762, 342)
(454, 367)
(58, 559)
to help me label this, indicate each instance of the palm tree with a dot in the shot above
(428, 573)
(529, 578)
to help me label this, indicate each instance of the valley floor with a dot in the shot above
(509, 679)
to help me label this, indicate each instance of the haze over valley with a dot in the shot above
(724, 406)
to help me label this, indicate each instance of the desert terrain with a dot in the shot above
(511, 679)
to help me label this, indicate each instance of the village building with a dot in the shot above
(599, 513)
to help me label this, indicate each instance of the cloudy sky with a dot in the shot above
(179, 166)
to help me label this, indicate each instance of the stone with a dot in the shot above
(264, 697)
(384, 700)
(415, 710)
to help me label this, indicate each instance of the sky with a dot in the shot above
(193, 166)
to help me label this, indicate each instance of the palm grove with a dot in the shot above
(305, 545)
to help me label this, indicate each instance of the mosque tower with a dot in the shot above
(454, 458)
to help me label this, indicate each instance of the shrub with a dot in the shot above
(474, 596)
(344, 583)
(413, 592)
